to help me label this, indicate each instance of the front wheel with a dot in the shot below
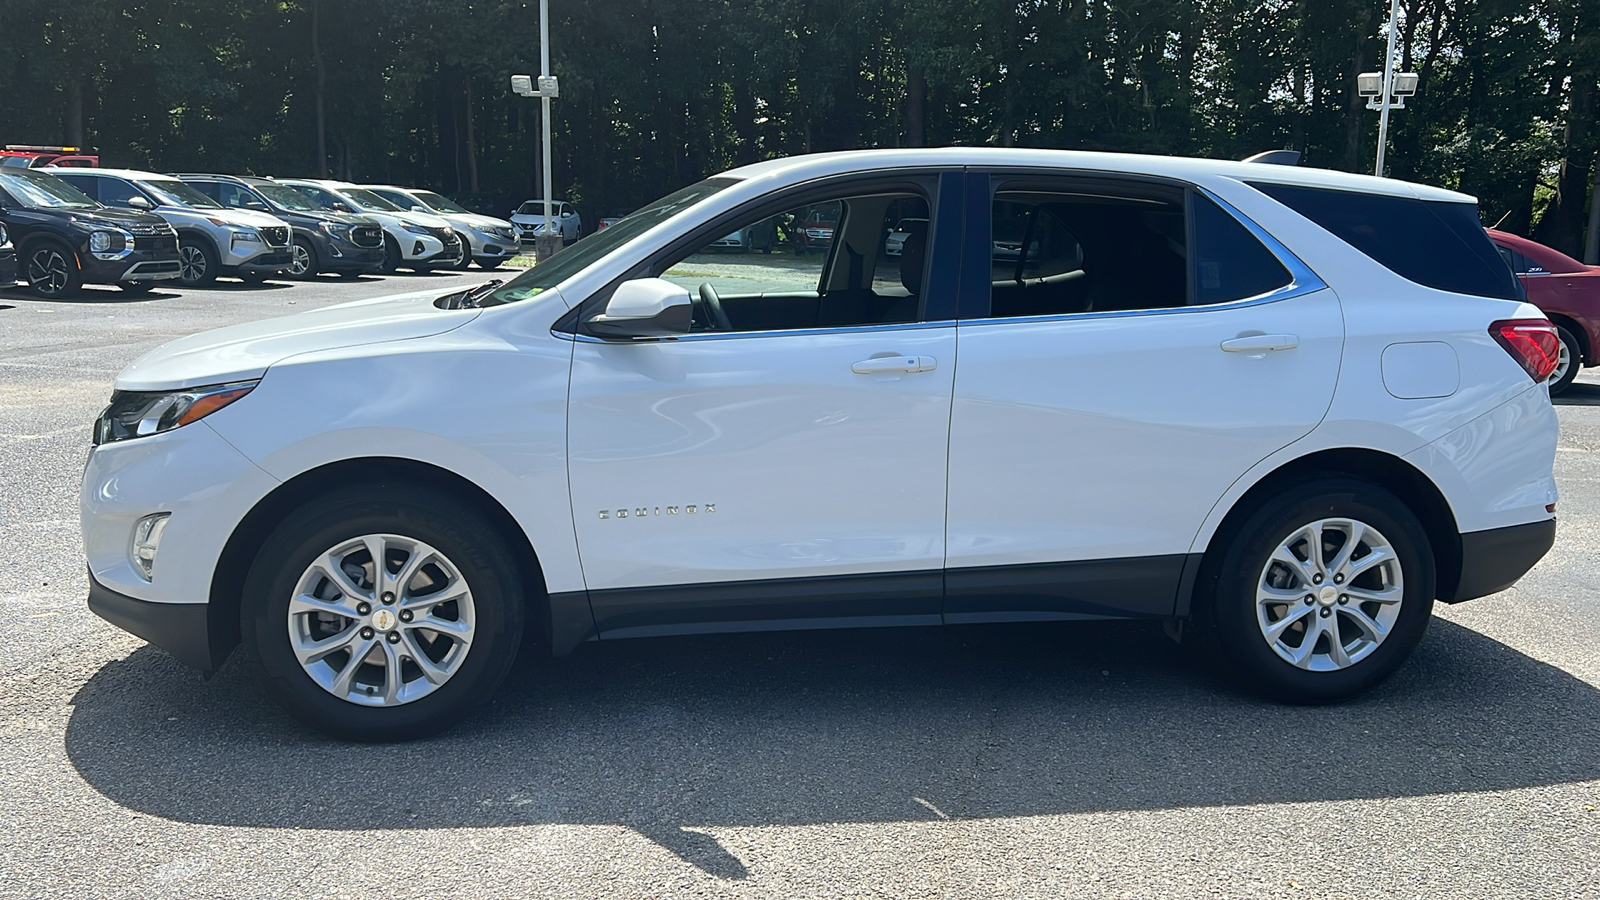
(1322, 593)
(380, 619)
(391, 256)
(1568, 363)
(52, 271)
(303, 262)
(197, 263)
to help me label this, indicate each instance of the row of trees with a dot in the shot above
(659, 93)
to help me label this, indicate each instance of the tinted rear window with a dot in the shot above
(1435, 244)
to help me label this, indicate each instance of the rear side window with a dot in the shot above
(1230, 264)
(1435, 244)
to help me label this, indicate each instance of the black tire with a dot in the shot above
(1574, 353)
(136, 287)
(488, 262)
(391, 256)
(50, 270)
(197, 262)
(476, 550)
(465, 262)
(306, 265)
(1226, 605)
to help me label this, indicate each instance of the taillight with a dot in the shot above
(1531, 342)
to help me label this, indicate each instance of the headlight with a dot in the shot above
(141, 413)
(2, 235)
(106, 244)
(247, 237)
(337, 229)
(415, 229)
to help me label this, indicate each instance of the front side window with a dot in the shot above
(819, 265)
(367, 200)
(1432, 243)
(325, 198)
(116, 192)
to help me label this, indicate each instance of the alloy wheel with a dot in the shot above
(1563, 363)
(381, 620)
(191, 263)
(300, 263)
(1329, 594)
(47, 271)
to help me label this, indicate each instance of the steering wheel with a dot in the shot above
(708, 310)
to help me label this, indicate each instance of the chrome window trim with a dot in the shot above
(1302, 281)
(784, 332)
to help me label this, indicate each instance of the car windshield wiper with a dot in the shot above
(468, 299)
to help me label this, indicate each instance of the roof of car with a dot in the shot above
(836, 163)
(120, 173)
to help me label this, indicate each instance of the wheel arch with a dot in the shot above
(238, 553)
(1408, 483)
(191, 232)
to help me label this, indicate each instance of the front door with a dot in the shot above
(783, 464)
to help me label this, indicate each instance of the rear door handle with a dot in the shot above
(891, 365)
(1261, 344)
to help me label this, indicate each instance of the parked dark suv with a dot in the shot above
(64, 239)
(324, 241)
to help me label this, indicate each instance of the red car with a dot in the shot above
(1569, 293)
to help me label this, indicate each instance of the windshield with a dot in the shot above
(176, 192)
(39, 190)
(571, 261)
(286, 197)
(442, 204)
(367, 200)
(536, 208)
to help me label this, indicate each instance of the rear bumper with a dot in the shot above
(181, 629)
(1493, 560)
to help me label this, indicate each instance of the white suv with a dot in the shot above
(1284, 410)
(529, 220)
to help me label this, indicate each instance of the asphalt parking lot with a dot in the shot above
(1037, 761)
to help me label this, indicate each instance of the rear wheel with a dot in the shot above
(1568, 363)
(381, 619)
(1324, 592)
(52, 270)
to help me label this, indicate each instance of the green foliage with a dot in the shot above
(659, 93)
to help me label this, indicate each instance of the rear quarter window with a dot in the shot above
(1436, 244)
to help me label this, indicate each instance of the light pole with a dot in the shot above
(1386, 90)
(545, 243)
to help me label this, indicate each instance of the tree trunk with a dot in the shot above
(75, 111)
(916, 107)
(322, 83)
(472, 140)
(1591, 247)
(1356, 105)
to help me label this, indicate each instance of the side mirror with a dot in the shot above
(644, 307)
(137, 201)
(418, 207)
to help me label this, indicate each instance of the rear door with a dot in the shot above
(1128, 350)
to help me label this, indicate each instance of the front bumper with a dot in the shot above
(1493, 560)
(272, 262)
(139, 265)
(181, 629)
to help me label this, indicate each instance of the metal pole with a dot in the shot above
(544, 102)
(1388, 86)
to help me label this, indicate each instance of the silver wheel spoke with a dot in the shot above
(1336, 650)
(1301, 655)
(1276, 629)
(392, 674)
(305, 603)
(1371, 629)
(344, 678)
(1376, 557)
(309, 652)
(432, 671)
(455, 631)
(329, 567)
(1268, 593)
(420, 605)
(1352, 541)
(1363, 595)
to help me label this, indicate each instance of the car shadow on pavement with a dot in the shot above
(1578, 393)
(89, 294)
(673, 735)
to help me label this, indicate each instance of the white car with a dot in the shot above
(894, 244)
(417, 241)
(529, 219)
(489, 241)
(1284, 410)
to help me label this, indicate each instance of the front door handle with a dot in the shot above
(894, 365)
(1261, 344)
